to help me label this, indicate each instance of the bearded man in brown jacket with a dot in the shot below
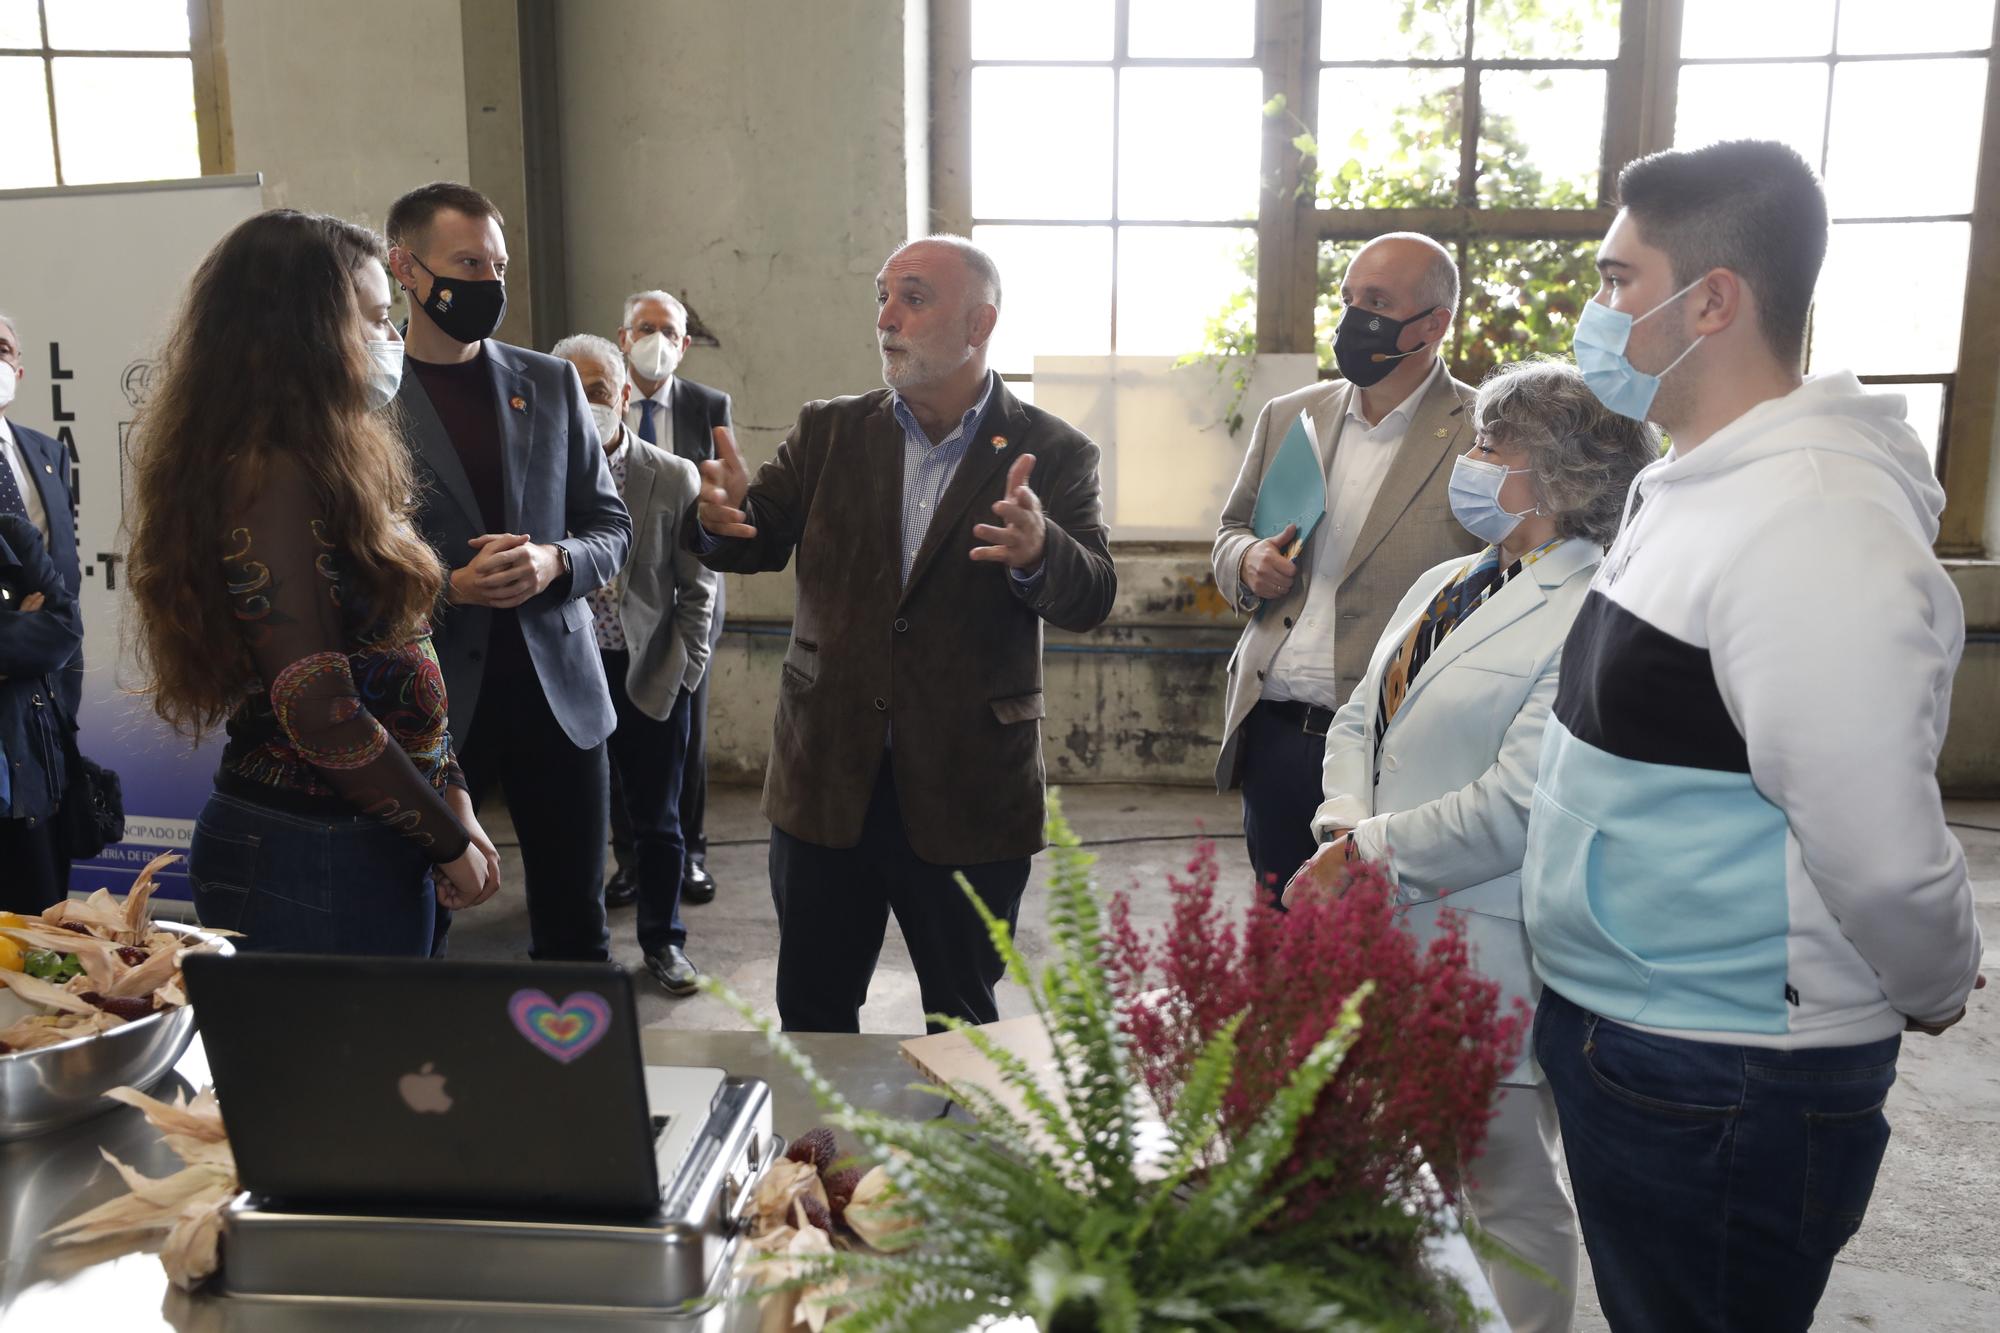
(938, 522)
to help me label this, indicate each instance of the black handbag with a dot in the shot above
(92, 814)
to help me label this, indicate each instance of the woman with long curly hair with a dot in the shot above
(282, 592)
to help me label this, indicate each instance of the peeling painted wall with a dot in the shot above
(750, 155)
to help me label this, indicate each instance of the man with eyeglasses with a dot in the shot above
(679, 416)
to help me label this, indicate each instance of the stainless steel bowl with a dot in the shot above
(45, 1089)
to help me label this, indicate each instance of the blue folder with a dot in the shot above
(1294, 489)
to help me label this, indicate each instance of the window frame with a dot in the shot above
(954, 29)
(214, 139)
(1640, 99)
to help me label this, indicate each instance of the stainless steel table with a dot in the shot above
(82, 1289)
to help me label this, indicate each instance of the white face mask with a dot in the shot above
(385, 373)
(606, 417)
(655, 356)
(8, 382)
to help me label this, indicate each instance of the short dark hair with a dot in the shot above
(410, 216)
(1751, 206)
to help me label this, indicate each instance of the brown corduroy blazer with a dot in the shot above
(950, 664)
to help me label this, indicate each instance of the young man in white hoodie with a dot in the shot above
(1739, 886)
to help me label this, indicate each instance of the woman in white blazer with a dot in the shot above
(1430, 765)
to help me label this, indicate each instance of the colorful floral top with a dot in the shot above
(338, 719)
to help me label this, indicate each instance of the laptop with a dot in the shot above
(427, 1086)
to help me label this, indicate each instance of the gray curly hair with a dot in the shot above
(1582, 454)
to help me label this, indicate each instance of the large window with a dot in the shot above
(96, 91)
(1885, 98)
(1114, 170)
(1487, 119)
(1100, 147)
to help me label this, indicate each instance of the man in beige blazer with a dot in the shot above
(1384, 437)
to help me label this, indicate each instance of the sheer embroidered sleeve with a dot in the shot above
(284, 586)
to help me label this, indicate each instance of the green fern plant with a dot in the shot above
(1053, 1218)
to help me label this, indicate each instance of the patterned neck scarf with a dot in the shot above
(1458, 599)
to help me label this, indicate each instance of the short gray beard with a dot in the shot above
(918, 370)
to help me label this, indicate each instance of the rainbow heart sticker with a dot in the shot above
(564, 1030)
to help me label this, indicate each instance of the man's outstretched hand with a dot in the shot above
(724, 483)
(1020, 540)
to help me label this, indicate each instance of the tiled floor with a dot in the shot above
(1927, 1259)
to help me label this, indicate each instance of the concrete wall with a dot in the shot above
(751, 156)
(345, 106)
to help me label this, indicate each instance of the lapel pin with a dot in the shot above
(1442, 432)
(520, 404)
(48, 467)
(999, 441)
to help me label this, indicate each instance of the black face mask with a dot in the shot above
(1364, 346)
(463, 309)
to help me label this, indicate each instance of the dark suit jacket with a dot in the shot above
(697, 411)
(35, 647)
(952, 662)
(49, 463)
(559, 490)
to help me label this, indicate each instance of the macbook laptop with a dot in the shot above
(424, 1085)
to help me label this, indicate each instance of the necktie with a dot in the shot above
(646, 429)
(11, 501)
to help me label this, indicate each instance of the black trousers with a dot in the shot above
(694, 771)
(1281, 793)
(833, 909)
(693, 798)
(560, 798)
(34, 870)
(646, 755)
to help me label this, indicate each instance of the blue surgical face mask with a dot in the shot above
(1599, 346)
(1475, 499)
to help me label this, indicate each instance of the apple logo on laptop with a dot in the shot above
(423, 1091)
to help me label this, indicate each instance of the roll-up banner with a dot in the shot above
(94, 275)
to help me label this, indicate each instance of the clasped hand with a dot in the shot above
(506, 570)
(1324, 869)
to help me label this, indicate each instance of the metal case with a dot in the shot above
(675, 1263)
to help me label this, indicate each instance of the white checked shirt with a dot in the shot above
(603, 601)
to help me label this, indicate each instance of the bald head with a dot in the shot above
(1414, 270)
(982, 275)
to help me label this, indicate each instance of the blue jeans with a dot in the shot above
(346, 884)
(1715, 1183)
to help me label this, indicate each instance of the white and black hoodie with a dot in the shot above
(1737, 834)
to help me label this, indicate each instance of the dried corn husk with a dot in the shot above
(775, 1258)
(46, 994)
(782, 1184)
(878, 1215)
(53, 1029)
(186, 1206)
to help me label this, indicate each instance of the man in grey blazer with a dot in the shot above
(651, 625)
(1384, 437)
(520, 505)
